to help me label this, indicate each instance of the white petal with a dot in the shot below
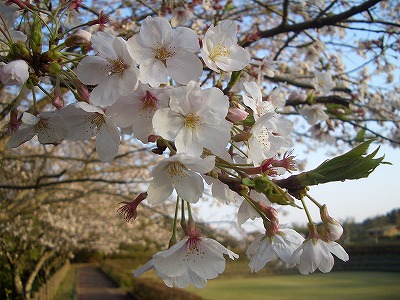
(24, 133)
(92, 69)
(189, 186)
(159, 189)
(107, 91)
(186, 39)
(107, 141)
(155, 31)
(167, 123)
(153, 72)
(103, 43)
(184, 67)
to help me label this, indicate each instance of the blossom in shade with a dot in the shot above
(196, 118)
(84, 121)
(333, 229)
(323, 82)
(112, 69)
(220, 49)
(137, 110)
(246, 210)
(314, 113)
(162, 51)
(316, 253)
(48, 126)
(267, 247)
(15, 72)
(179, 172)
(193, 260)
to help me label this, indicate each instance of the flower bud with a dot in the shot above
(78, 38)
(333, 229)
(36, 36)
(236, 115)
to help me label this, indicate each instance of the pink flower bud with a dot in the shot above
(236, 115)
(333, 229)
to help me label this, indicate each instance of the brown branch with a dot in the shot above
(316, 23)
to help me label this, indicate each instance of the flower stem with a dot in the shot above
(310, 221)
(314, 201)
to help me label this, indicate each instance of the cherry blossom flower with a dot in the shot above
(9, 14)
(314, 113)
(85, 121)
(193, 260)
(269, 135)
(48, 126)
(137, 110)
(196, 118)
(255, 101)
(247, 211)
(317, 253)
(162, 51)
(265, 248)
(222, 192)
(113, 70)
(323, 82)
(220, 49)
(14, 73)
(180, 172)
(181, 15)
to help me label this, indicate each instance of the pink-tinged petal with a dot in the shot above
(129, 81)
(185, 38)
(103, 43)
(167, 123)
(107, 141)
(179, 100)
(159, 190)
(214, 106)
(138, 51)
(155, 31)
(238, 59)
(189, 186)
(106, 92)
(93, 69)
(184, 66)
(121, 50)
(153, 72)
(24, 133)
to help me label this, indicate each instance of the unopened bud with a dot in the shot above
(236, 115)
(333, 229)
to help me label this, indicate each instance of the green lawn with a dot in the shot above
(336, 285)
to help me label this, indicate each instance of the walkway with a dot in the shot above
(93, 284)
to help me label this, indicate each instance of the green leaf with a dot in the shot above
(354, 164)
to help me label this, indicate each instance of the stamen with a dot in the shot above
(149, 102)
(192, 121)
(218, 51)
(163, 53)
(117, 67)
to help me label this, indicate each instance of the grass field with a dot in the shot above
(336, 285)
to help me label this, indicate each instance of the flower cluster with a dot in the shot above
(152, 86)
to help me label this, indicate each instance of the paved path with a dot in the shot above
(93, 284)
